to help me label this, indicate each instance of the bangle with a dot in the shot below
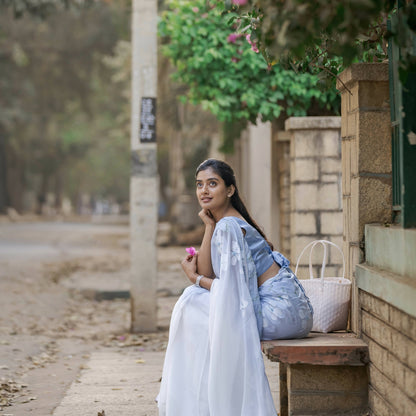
(198, 279)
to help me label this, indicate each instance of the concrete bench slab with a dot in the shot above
(318, 349)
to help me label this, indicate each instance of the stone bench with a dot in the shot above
(323, 374)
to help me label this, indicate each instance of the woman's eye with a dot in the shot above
(199, 185)
(212, 183)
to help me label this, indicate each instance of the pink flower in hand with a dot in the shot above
(191, 251)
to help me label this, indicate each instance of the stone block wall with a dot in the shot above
(315, 190)
(391, 337)
(327, 390)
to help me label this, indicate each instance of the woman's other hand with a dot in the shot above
(206, 217)
(189, 267)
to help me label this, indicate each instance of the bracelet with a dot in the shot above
(198, 279)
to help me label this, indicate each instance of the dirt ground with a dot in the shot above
(50, 322)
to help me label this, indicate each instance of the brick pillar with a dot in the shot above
(366, 159)
(315, 189)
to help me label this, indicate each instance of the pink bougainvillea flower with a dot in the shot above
(253, 44)
(195, 9)
(191, 251)
(239, 2)
(205, 15)
(234, 59)
(233, 37)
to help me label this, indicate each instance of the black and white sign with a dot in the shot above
(148, 120)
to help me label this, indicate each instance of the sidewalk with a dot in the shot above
(122, 383)
(125, 383)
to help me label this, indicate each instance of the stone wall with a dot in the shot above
(387, 292)
(315, 189)
(391, 338)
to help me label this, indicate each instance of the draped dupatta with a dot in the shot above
(213, 364)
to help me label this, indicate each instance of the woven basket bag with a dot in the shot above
(330, 296)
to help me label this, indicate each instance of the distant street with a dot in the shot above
(50, 273)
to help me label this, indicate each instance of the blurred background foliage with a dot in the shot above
(65, 110)
(65, 85)
(224, 73)
(64, 102)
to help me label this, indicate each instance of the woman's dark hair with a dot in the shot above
(227, 174)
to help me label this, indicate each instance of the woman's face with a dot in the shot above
(211, 191)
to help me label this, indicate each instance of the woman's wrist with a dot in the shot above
(198, 280)
(193, 277)
(210, 227)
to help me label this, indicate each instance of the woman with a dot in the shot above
(242, 292)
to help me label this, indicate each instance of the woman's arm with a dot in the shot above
(204, 265)
(189, 267)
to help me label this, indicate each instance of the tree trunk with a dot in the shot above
(41, 197)
(4, 196)
(58, 190)
(14, 178)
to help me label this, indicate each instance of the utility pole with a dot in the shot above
(144, 182)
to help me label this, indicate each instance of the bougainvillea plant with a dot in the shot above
(327, 35)
(224, 70)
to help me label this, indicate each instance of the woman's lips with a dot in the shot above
(206, 199)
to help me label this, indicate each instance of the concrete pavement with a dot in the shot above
(120, 382)
(125, 383)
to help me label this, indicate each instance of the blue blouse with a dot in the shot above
(261, 252)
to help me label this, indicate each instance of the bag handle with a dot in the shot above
(324, 244)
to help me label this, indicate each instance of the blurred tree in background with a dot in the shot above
(42, 8)
(64, 120)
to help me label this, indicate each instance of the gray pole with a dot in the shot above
(144, 184)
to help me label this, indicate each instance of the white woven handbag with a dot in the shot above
(329, 296)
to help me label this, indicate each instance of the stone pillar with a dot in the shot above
(260, 179)
(366, 159)
(315, 189)
(144, 184)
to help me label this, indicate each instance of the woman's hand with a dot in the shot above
(189, 267)
(206, 217)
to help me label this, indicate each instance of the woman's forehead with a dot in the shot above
(208, 173)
